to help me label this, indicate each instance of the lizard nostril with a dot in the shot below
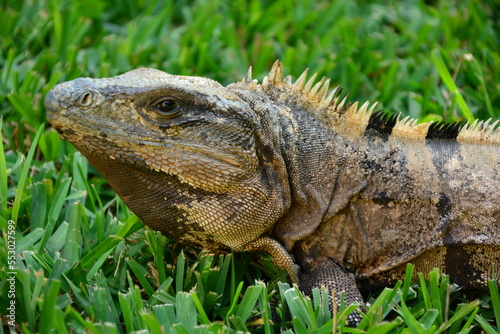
(52, 103)
(86, 99)
(89, 97)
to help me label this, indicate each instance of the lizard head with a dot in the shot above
(182, 152)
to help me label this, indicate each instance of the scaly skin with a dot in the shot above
(343, 194)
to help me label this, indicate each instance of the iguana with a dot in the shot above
(338, 194)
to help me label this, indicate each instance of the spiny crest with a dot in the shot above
(365, 116)
(480, 132)
(408, 127)
(360, 116)
(314, 92)
(325, 101)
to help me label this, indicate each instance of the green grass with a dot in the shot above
(86, 264)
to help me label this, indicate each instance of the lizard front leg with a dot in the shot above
(326, 273)
(279, 254)
(335, 279)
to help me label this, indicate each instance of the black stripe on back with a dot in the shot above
(382, 122)
(439, 130)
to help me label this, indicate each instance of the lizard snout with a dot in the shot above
(68, 95)
(52, 102)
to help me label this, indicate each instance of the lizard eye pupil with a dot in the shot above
(167, 108)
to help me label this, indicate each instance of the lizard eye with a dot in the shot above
(167, 108)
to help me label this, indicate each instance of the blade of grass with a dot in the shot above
(24, 174)
(465, 310)
(179, 272)
(141, 273)
(49, 305)
(248, 302)
(29, 240)
(154, 326)
(265, 310)
(495, 299)
(165, 314)
(407, 281)
(104, 247)
(201, 311)
(480, 76)
(131, 225)
(413, 324)
(3, 175)
(435, 294)
(126, 312)
(186, 310)
(234, 303)
(54, 211)
(485, 325)
(448, 80)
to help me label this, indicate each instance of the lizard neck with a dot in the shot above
(324, 172)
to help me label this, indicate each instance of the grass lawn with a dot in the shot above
(84, 263)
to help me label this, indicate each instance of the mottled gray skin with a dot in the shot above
(286, 169)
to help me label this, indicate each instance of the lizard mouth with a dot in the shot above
(80, 135)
